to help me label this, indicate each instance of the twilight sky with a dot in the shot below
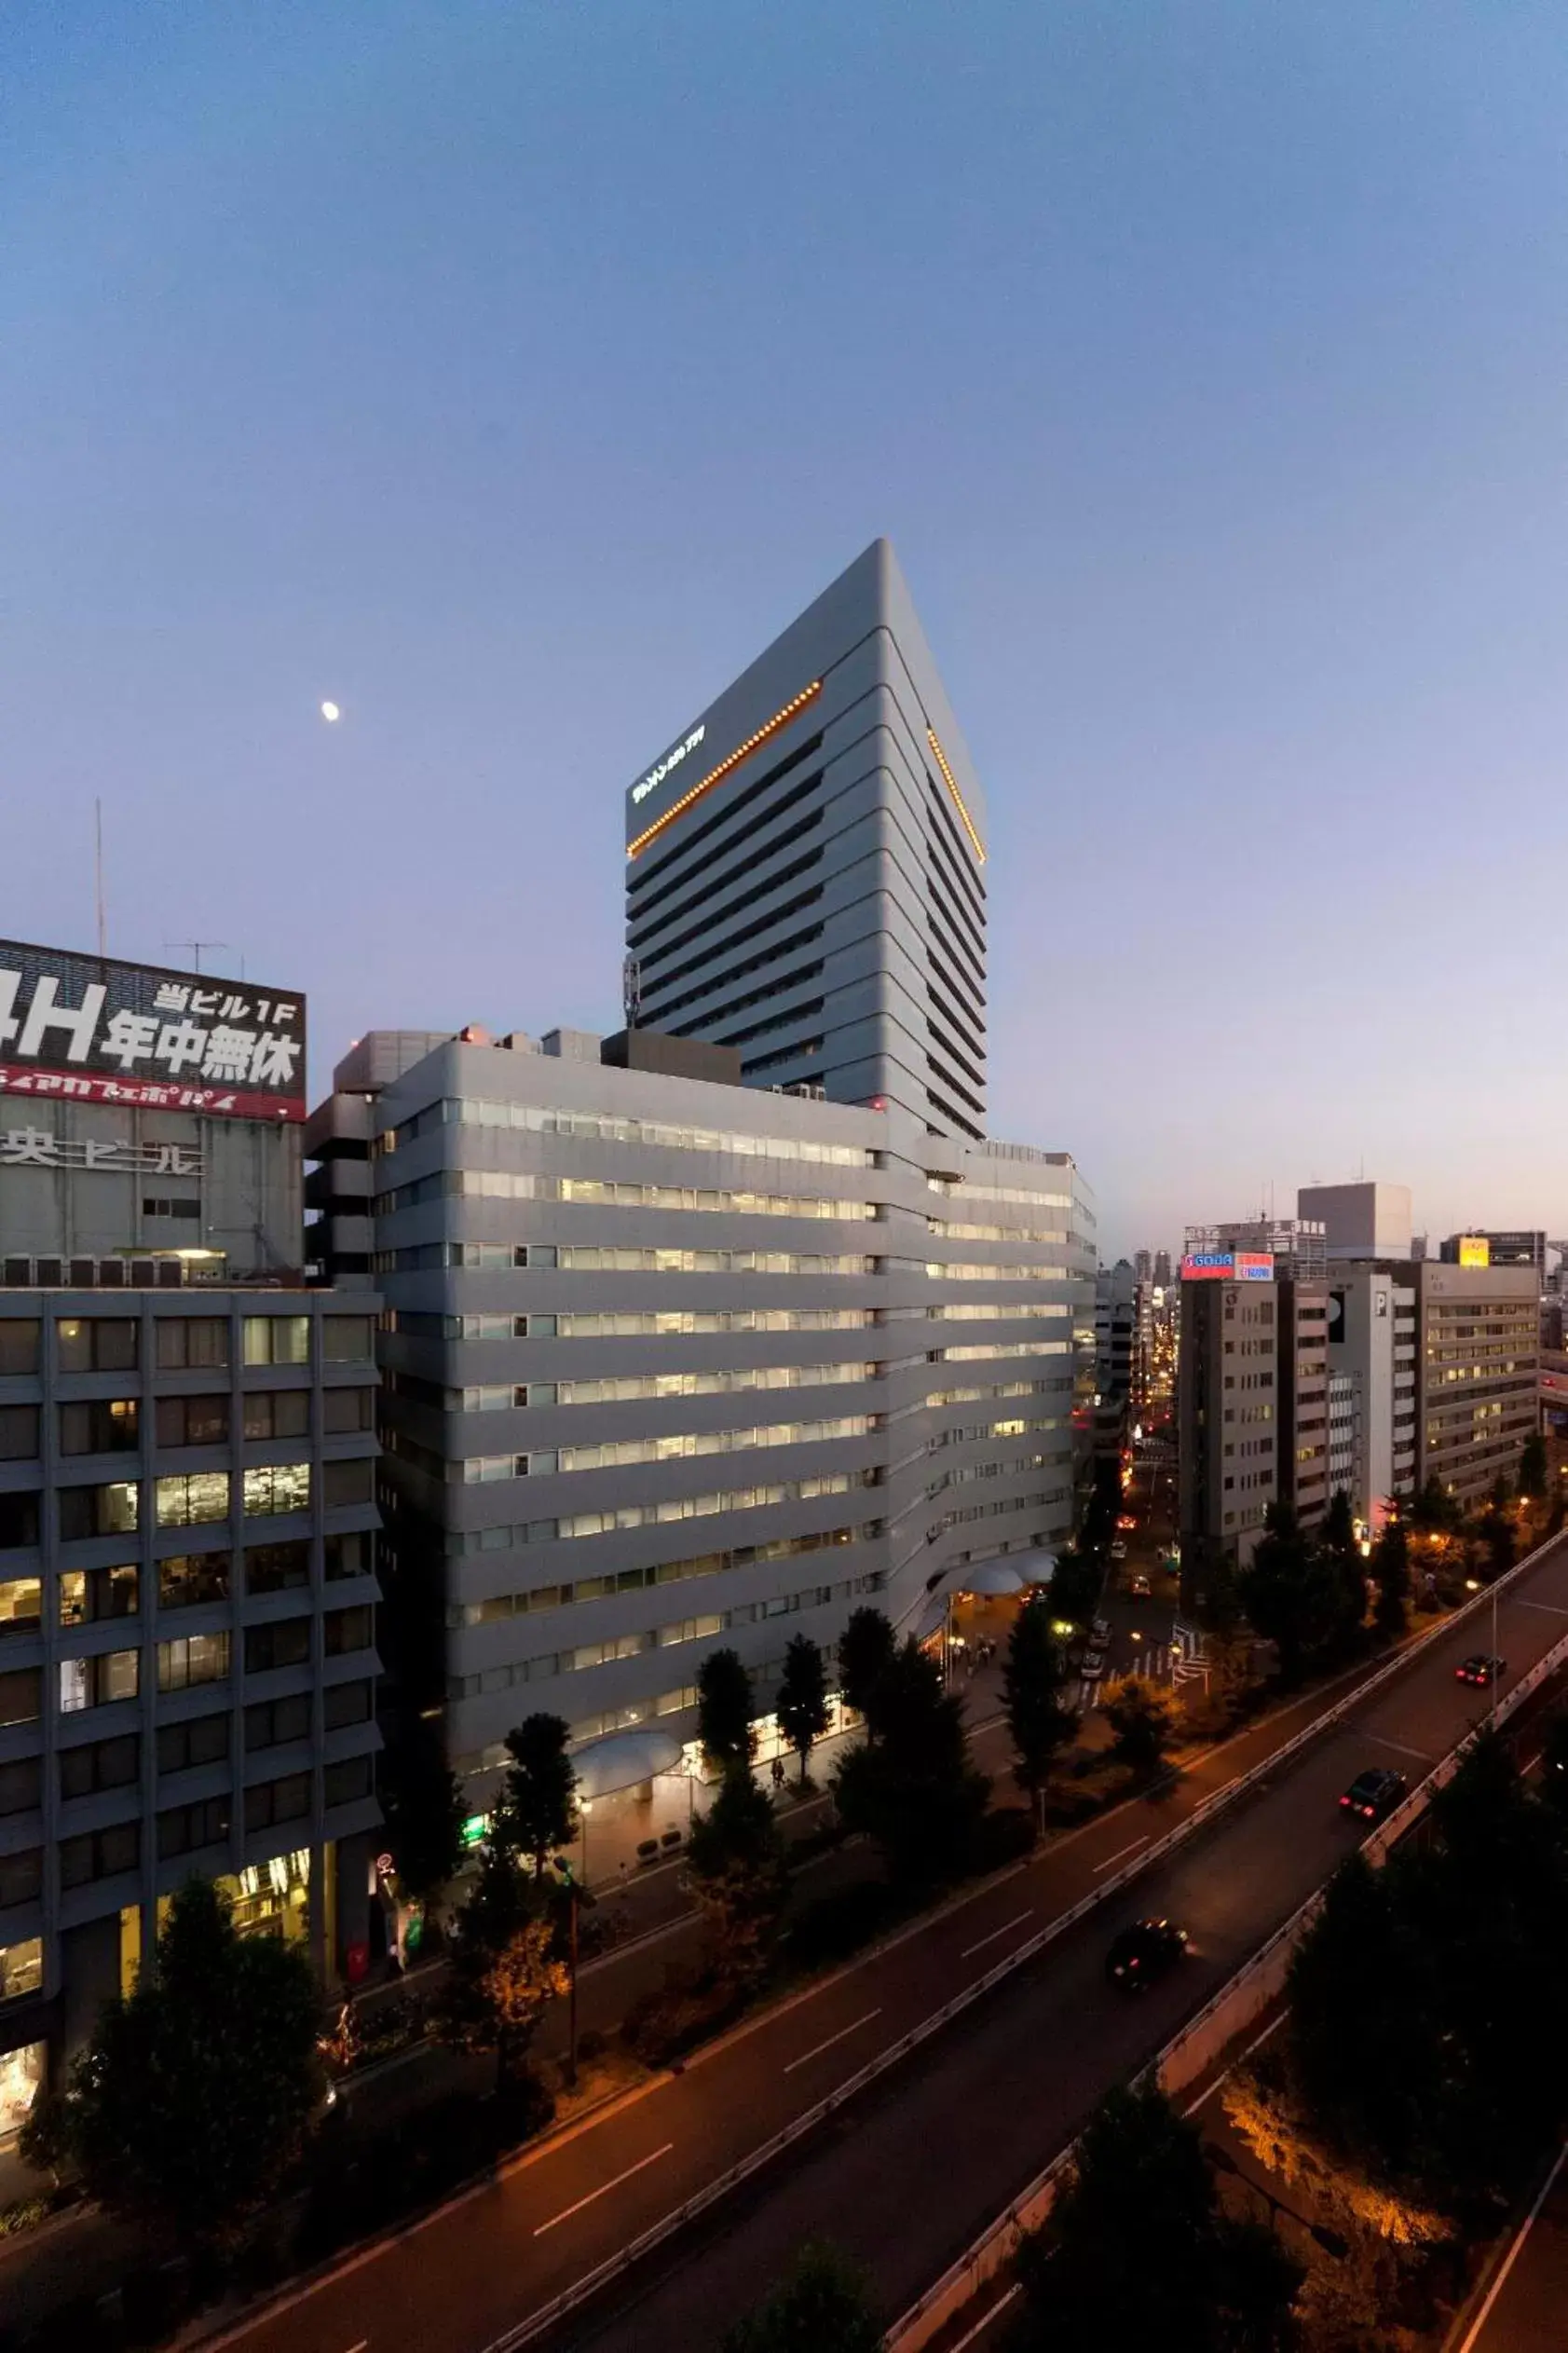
(511, 371)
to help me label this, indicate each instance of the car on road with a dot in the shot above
(1374, 1793)
(1143, 1953)
(1102, 1632)
(1140, 1587)
(1118, 1551)
(1482, 1667)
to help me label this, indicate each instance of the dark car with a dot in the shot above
(1374, 1793)
(1143, 1953)
(1140, 1587)
(1480, 1669)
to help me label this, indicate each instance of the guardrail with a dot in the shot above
(524, 2332)
(1238, 2004)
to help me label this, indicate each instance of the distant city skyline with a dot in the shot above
(502, 381)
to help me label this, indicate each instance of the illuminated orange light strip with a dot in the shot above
(717, 775)
(958, 796)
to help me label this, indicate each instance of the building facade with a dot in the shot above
(187, 1513)
(671, 1365)
(1301, 1323)
(1372, 1347)
(1297, 1245)
(1228, 1408)
(806, 868)
(1361, 1220)
(1477, 1392)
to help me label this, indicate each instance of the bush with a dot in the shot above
(414, 2163)
(835, 1926)
(1003, 1834)
(664, 2024)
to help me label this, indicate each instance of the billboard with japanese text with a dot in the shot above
(90, 1029)
(1228, 1265)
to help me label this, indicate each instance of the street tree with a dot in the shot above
(425, 1810)
(1497, 1535)
(1136, 2252)
(1143, 1719)
(912, 1789)
(821, 2304)
(724, 1711)
(505, 1970)
(801, 1704)
(1433, 1511)
(1391, 1568)
(1033, 1679)
(866, 1649)
(740, 1878)
(1533, 1480)
(1286, 1593)
(537, 1811)
(1344, 1573)
(194, 2098)
(1076, 1579)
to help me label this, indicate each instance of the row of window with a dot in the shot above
(639, 1323)
(632, 1646)
(586, 1589)
(93, 1766)
(517, 1533)
(188, 1660)
(967, 1512)
(114, 1425)
(423, 1257)
(186, 1499)
(112, 1344)
(604, 1129)
(85, 1595)
(960, 1189)
(681, 1447)
(501, 1184)
(1003, 1347)
(626, 1388)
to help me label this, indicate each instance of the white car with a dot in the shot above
(1118, 1551)
(1093, 1667)
(1101, 1631)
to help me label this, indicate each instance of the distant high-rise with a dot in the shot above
(805, 868)
(1362, 1220)
(1162, 1267)
(1144, 1266)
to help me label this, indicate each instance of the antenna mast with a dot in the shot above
(98, 876)
(195, 947)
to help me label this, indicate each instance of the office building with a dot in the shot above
(1162, 1269)
(1479, 1372)
(1360, 1221)
(1144, 1266)
(1478, 1247)
(1372, 1347)
(671, 1365)
(1297, 1246)
(188, 1516)
(1228, 1410)
(1301, 1383)
(806, 868)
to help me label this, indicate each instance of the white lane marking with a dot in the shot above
(1550, 1606)
(604, 2187)
(807, 2056)
(978, 2330)
(994, 1935)
(1512, 2256)
(363, 2347)
(1397, 1745)
(1241, 2060)
(1121, 1851)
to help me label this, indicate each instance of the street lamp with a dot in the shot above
(568, 1880)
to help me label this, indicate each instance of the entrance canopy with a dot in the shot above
(619, 1760)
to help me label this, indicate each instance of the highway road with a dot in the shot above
(1523, 2307)
(906, 2177)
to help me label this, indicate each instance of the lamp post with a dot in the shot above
(568, 1880)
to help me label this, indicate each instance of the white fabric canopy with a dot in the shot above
(619, 1760)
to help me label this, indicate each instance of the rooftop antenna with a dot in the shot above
(98, 877)
(632, 991)
(195, 947)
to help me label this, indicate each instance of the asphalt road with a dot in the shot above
(908, 2177)
(1523, 2310)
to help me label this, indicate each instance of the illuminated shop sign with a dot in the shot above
(1228, 1265)
(89, 1028)
(671, 759)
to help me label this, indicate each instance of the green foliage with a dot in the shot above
(1391, 1568)
(911, 1787)
(724, 1724)
(1143, 1719)
(740, 1878)
(193, 2100)
(504, 1969)
(821, 2304)
(1435, 1510)
(1137, 2252)
(538, 1809)
(1288, 1592)
(1076, 1585)
(1532, 1467)
(866, 1649)
(1033, 1680)
(1497, 1535)
(423, 1801)
(1343, 1570)
(801, 1704)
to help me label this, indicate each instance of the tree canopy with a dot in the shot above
(724, 1711)
(740, 1877)
(866, 1649)
(823, 2305)
(1032, 1683)
(537, 1811)
(801, 1704)
(910, 1786)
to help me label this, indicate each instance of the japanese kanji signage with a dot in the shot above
(40, 1148)
(95, 1031)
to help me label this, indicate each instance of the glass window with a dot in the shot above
(86, 1594)
(348, 1555)
(22, 1695)
(100, 1854)
(278, 1487)
(18, 1431)
(346, 1782)
(191, 1498)
(200, 1740)
(182, 1830)
(98, 1426)
(348, 1482)
(346, 1339)
(112, 1509)
(192, 1421)
(270, 1722)
(189, 1578)
(192, 1343)
(22, 1785)
(21, 1968)
(97, 1344)
(277, 1340)
(22, 1876)
(278, 1413)
(112, 1675)
(101, 1764)
(18, 1344)
(274, 1568)
(347, 1409)
(21, 2074)
(197, 1658)
(348, 1630)
(19, 1522)
(286, 1643)
(348, 1704)
(21, 1604)
(274, 1801)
